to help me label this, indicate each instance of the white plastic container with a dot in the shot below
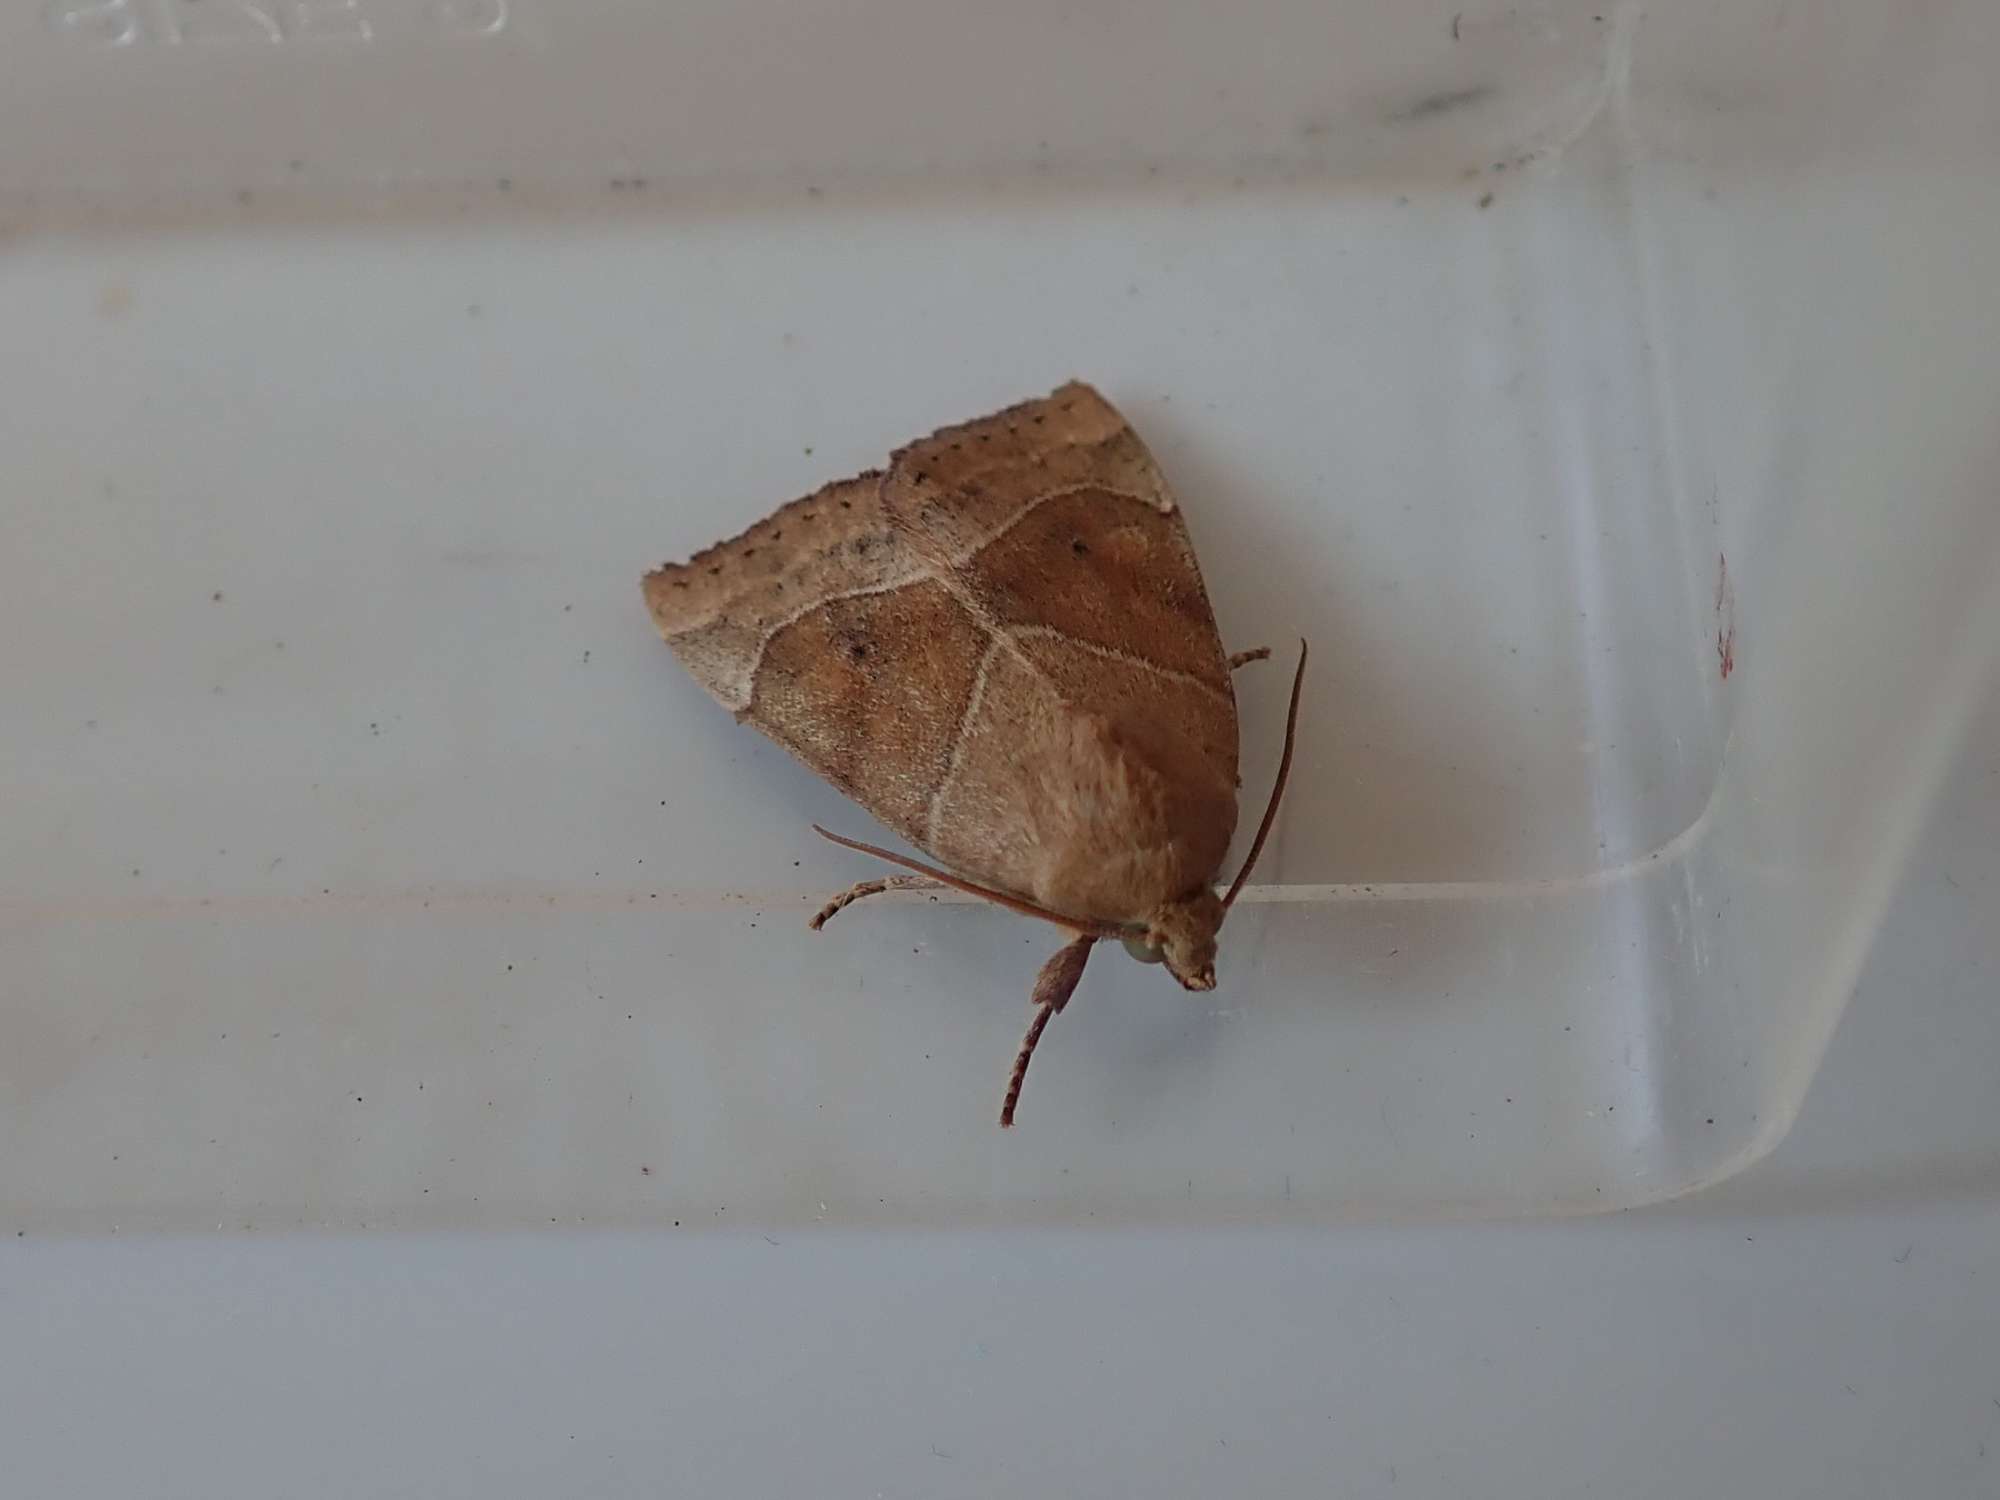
(1604, 390)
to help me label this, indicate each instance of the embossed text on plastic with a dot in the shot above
(170, 23)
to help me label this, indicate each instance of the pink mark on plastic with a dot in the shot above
(1725, 617)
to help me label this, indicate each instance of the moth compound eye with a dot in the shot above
(1145, 951)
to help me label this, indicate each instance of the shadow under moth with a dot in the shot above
(1000, 646)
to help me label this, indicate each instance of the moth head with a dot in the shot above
(1181, 934)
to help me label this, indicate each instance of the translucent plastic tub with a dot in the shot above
(1605, 391)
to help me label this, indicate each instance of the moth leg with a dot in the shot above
(874, 888)
(1244, 658)
(1053, 987)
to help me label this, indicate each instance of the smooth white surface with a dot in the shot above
(369, 863)
(1825, 1327)
(403, 325)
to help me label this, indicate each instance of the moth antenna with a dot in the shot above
(1277, 788)
(985, 893)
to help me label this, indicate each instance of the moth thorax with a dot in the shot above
(1182, 935)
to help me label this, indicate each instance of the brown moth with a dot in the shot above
(1001, 647)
